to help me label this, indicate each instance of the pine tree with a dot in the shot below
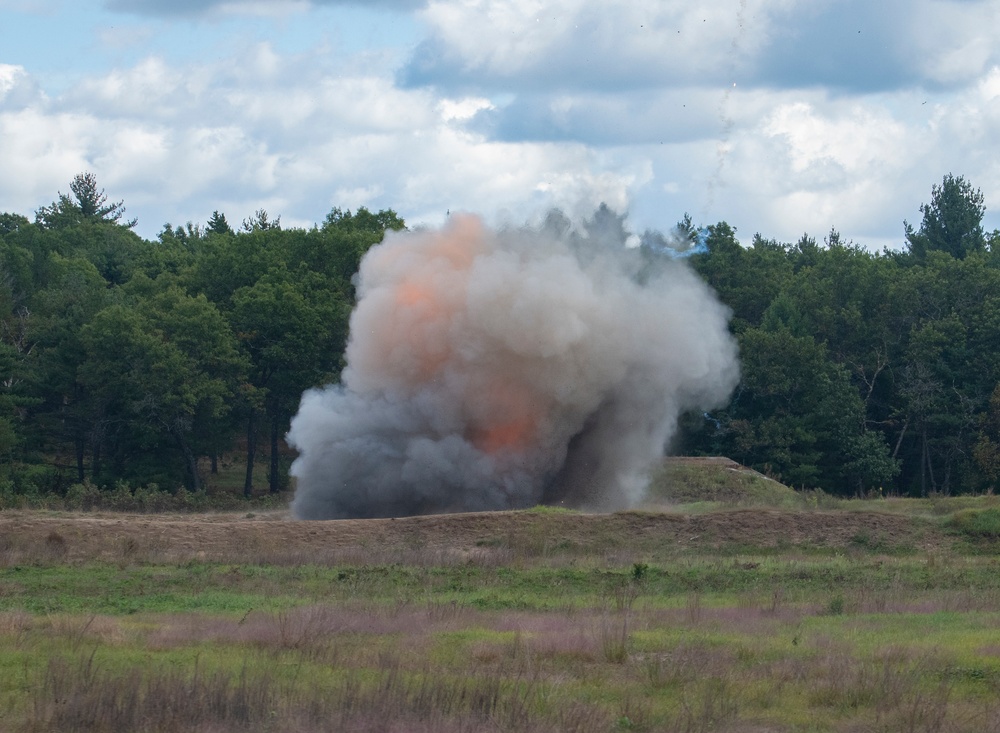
(88, 204)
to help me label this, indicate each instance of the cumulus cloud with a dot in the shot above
(846, 45)
(634, 117)
(858, 46)
(574, 44)
(843, 113)
(849, 45)
(286, 133)
(17, 89)
(818, 162)
(252, 7)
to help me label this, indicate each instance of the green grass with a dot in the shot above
(550, 621)
(978, 524)
(707, 645)
(233, 589)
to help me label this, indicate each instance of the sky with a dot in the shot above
(781, 117)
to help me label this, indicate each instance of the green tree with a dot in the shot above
(89, 203)
(849, 299)
(10, 380)
(66, 413)
(11, 223)
(746, 279)
(287, 295)
(260, 222)
(952, 221)
(159, 369)
(114, 250)
(217, 224)
(363, 220)
(292, 329)
(796, 416)
(950, 369)
(987, 448)
(187, 236)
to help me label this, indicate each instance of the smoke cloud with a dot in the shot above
(500, 369)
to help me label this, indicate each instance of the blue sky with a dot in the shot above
(779, 116)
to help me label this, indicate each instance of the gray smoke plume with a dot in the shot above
(500, 369)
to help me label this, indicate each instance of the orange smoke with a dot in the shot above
(411, 315)
(507, 420)
(514, 436)
(411, 294)
(418, 336)
(426, 301)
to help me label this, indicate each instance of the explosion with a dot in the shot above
(499, 369)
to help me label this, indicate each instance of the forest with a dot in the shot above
(127, 362)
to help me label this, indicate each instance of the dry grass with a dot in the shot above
(420, 667)
(80, 694)
(501, 539)
(837, 622)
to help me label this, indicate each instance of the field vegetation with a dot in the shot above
(729, 603)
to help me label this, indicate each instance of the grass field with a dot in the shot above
(729, 603)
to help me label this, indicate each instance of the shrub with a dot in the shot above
(836, 605)
(35, 479)
(83, 497)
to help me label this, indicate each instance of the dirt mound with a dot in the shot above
(448, 538)
(688, 480)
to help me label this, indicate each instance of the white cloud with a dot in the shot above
(179, 142)
(853, 141)
(36, 151)
(10, 75)
(565, 103)
(952, 42)
(862, 165)
(265, 8)
(584, 43)
(17, 89)
(462, 109)
(149, 90)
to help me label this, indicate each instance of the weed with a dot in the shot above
(706, 706)
(693, 608)
(614, 637)
(777, 600)
(836, 605)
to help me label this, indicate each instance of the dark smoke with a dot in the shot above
(499, 369)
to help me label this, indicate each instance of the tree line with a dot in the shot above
(864, 371)
(126, 360)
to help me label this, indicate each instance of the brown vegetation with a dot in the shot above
(445, 539)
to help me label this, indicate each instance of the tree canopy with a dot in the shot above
(129, 360)
(125, 360)
(88, 204)
(952, 221)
